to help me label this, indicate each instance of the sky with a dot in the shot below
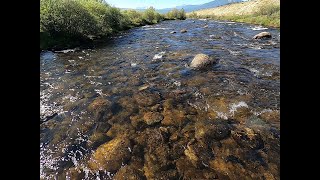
(158, 4)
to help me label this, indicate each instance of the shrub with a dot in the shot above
(151, 16)
(176, 14)
(268, 10)
(66, 17)
(72, 22)
(182, 14)
(193, 15)
(134, 17)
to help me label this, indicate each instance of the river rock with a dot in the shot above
(247, 138)
(262, 35)
(270, 116)
(201, 61)
(209, 130)
(188, 171)
(152, 117)
(174, 117)
(111, 155)
(172, 32)
(130, 172)
(99, 104)
(120, 129)
(183, 31)
(206, 26)
(146, 99)
(198, 153)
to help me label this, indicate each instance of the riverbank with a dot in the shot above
(73, 23)
(259, 12)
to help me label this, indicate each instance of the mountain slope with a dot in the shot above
(190, 8)
(211, 4)
(241, 8)
(263, 12)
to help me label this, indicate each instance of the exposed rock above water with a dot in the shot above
(262, 35)
(201, 61)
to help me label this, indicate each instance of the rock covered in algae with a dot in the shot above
(120, 129)
(247, 138)
(101, 108)
(111, 155)
(173, 117)
(152, 117)
(209, 130)
(198, 153)
(130, 172)
(98, 104)
(146, 98)
(270, 116)
(188, 171)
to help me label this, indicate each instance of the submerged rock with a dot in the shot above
(247, 138)
(201, 61)
(156, 154)
(188, 171)
(198, 153)
(111, 155)
(152, 117)
(262, 35)
(120, 129)
(209, 130)
(270, 116)
(173, 117)
(146, 99)
(99, 104)
(130, 172)
(155, 161)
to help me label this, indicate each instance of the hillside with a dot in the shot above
(264, 12)
(211, 4)
(190, 8)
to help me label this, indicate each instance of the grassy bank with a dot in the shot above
(71, 23)
(260, 12)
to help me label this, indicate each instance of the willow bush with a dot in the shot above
(67, 23)
(176, 14)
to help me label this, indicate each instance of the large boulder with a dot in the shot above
(262, 35)
(183, 31)
(201, 61)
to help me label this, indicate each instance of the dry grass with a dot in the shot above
(262, 12)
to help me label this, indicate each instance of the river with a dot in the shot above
(173, 122)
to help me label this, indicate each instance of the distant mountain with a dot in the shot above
(190, 8)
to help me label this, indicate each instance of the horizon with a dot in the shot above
(157, 4)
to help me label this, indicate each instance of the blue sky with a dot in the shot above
(158, 4)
